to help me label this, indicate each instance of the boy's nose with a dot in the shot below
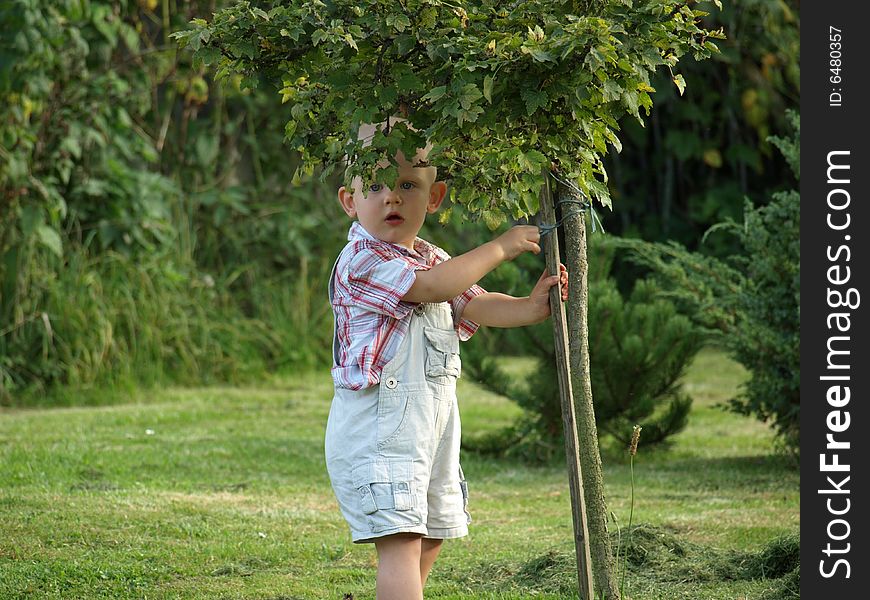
(391, 197)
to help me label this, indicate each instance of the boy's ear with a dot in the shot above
(436, 196)
(345, 198)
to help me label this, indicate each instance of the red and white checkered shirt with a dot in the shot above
(371, 320)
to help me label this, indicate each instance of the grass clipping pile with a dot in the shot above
(658, 559)
(658, 554)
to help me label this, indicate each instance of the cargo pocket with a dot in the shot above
(442, 353)
(386, 494)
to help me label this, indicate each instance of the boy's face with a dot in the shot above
(396, 213)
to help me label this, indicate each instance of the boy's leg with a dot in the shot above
(399, 567)
(428, 553)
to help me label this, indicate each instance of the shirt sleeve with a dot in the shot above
(465, 328)
(377, 282)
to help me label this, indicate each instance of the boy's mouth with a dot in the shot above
(394, 219)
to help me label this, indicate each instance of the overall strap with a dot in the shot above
(334, 328)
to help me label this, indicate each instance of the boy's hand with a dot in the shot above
(540, 296)
(519, 239)
(499, 310)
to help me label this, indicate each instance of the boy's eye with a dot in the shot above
(375, 187)
(409, 185)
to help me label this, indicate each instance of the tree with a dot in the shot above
(506, 92)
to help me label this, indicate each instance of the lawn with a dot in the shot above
(221, 492)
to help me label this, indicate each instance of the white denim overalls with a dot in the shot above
(392, 450)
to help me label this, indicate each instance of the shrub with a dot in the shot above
(639, 347)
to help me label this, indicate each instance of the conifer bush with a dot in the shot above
(639, 347)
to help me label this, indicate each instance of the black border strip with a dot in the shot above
(835, 225)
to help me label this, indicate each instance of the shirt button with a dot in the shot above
(392, 382)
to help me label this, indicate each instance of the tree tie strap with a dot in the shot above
(576, 198)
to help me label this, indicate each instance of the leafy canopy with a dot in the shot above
(504, 90)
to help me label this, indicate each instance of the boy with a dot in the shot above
(401, 307)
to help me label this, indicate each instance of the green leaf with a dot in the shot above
(130, 37)
(340, 80)
(298, 111)
(398, 21)
(470, 94)
(538, 55)
(387, 94)
(533, 161)
(428, 17)
(598, 188)
(631, 101)
(614, 139)
(487, 88)
(293, 34)
(289, 130)
(436, 93)
(493, 219)
(249, 83)
(405, 43)
(680, 82)
(534, 100)
(408, 81)
(72, 146)
(208, 55)
(195, 38)
(469, 115)
(101, 20)
(246, 48)
(612, 90)
(49, 238)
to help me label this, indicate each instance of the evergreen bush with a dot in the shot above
(639, 347)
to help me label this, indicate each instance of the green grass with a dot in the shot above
(221, 492)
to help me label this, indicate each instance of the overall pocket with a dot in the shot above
(386, 496)
(393, 409)
(442, 353)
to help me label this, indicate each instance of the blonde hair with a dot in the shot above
(366, 134)
(367, 130)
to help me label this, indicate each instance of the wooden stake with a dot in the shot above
(560, 337)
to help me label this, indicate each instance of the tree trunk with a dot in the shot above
(585, 577)
(603, 562)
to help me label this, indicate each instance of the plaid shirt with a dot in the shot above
(371, 320)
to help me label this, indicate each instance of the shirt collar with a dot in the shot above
(422, 248)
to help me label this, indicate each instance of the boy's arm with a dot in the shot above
(447, 280)
(500, 310)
